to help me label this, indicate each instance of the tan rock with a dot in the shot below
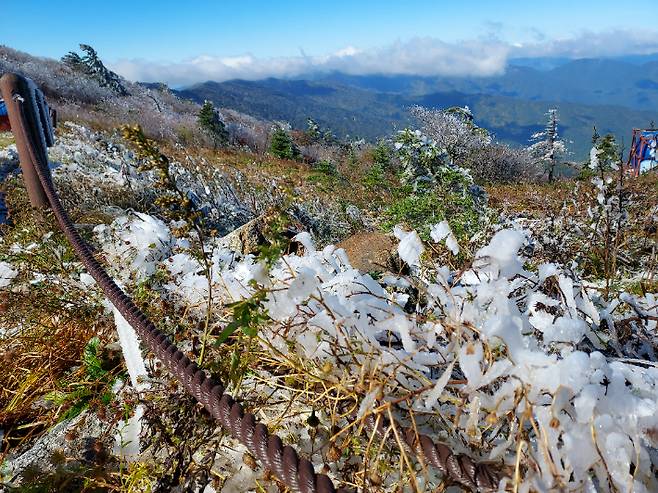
(370, 252)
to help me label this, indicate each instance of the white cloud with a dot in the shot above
(418, 56)
(589, 44)
(422, 56)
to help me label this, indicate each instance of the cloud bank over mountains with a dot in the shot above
(418, 56)
(591, 44)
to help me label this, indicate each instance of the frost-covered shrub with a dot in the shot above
(604, 225)
(55, 79)
(80, 97)
(314, 152)
(420, 156)
(434, 189)
(453, 130)
(246, 131)
(517, 362)
(500, 163)
(608, 214)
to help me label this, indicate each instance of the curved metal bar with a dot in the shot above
(26, 127)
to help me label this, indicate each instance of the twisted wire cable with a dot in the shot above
(458, 468)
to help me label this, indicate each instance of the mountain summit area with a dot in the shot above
(411, 283)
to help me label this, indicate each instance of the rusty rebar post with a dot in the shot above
(26, 122)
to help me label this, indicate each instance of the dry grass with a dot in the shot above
(296, 396)
(36, 361)
(46, 323)
(534, 200)
(539, 200)
(298, 178)
(6, 138)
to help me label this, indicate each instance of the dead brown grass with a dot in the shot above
(44, 328)
(34, 362)
(537, 200)
(534, 200)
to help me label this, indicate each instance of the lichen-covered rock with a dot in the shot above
(78, 441)
(247, 238)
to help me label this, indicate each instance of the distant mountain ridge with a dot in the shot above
(613, 94)
(586, 81)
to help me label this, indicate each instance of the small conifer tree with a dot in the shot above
(210, 122)
(282, 146)
(312, 130)
(91, 65)
(605, 155)
(549, 147)
(381, 154)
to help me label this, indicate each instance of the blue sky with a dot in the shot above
(168, 34)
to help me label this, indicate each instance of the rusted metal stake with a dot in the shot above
(23, 110)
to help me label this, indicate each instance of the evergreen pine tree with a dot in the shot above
(312, 130)
(91, 65)
(381, 154)
(548, 146)
(605, 155)
(73, 60)
(282, 146)
(105, 76)
(209, 121)
(609, 151)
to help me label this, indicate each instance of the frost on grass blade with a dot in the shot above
(132, 354)
(6, 274)
(140, 239)
(127, 443)
(442, 231)
(410, 247)
(518, 350)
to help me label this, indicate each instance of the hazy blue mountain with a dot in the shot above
(346, 110)
(588, 81)
(365, 113)
(615, 94)
(544, 63)
(549, 63)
